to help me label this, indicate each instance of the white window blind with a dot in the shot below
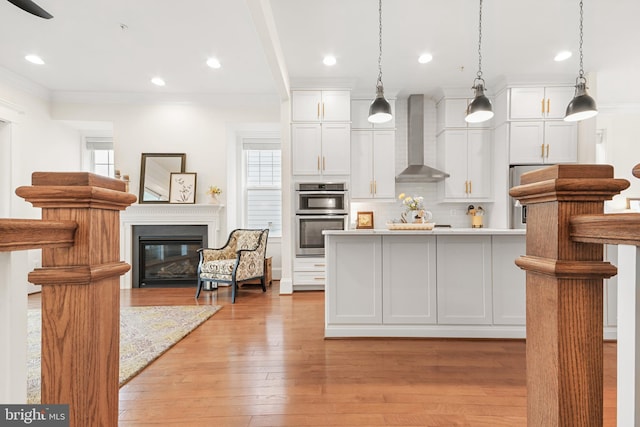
(263, 187)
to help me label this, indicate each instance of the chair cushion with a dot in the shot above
(220, 269)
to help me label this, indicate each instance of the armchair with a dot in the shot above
(241, 258)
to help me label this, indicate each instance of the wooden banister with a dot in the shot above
(612, 229)
(21, 234)
(564, 292)
(80, 241)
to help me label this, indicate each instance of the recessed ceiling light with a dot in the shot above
(329, 60)
(158, 81)
(424, 58)
(34, 59)
(213, 63)
(561, 56)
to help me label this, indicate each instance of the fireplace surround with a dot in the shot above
(166, 216)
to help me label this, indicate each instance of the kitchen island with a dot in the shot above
(460, 283)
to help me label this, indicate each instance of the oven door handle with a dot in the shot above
(330, 216)
(322, 193)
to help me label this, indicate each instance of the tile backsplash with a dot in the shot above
(443, 213)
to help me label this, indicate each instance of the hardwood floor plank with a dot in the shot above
(264, 362)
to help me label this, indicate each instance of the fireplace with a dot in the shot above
(165, 255)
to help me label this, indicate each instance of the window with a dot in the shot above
(101, 155)
(263, 193)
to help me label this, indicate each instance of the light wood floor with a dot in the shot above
(264, 362)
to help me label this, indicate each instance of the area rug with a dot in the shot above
(145, 333)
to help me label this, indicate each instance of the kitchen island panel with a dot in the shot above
(464, 280)
(509, 290)
(409, 272)
(354, 280)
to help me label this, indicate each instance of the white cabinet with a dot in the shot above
(509, 280)
(321, 149)
(539, 102)
(360, 115)
(409, 277)
(464, 280)
(543, 142)
(373, 164)
(451, 112)
(354, 288)
(321, 105)
(466, 155)
(309, 273)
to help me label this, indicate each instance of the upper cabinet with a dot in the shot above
(527, 103)
(321, 149)
(373, 164)
(451, 112)
(360, 115)
(321, 106)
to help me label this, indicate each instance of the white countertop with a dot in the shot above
(435, 231)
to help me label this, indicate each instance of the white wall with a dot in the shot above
(29, 141)
(200, 131)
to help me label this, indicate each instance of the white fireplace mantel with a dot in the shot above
(165, 214)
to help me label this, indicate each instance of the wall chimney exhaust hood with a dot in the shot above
(417, 171)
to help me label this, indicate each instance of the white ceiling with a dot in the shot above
(86, 50)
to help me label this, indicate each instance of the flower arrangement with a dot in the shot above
(214, 190)
(414, 203)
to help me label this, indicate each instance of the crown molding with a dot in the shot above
(16, 81)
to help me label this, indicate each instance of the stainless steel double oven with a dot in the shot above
(319, 207)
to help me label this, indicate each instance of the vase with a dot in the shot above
(213, 199)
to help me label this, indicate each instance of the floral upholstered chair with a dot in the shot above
(241, 258)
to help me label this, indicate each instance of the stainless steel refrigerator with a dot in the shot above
(519, 212)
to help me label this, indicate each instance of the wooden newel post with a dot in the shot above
(564, 294)
(81, 294)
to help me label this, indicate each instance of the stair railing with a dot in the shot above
(79, 234)
(566, 231)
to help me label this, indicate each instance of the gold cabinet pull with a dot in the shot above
(466, 187)
(375, 187)
(542, 150)
(318, 162)
(318, 114)
(470, 188)
(324, 163)
(548, 105)
(323, 110)
(370, 187)
(547, 151)
(542, 102)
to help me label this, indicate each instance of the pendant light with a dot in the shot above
(380, 109)
(480, 109)
(582, 106)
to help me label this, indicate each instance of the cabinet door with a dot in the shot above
(452, 150)
(479, 163)
(454, 111)
(361, 164)
(557, 99)
(354, 280)
(561, 142)
(336, 106)
(336, 149)
(360, 113)
(307, 147)
(509, 281)
(306, 106)
(409, 277)
(526, 144)
(464, 280)
(384, 165)
(527, 103)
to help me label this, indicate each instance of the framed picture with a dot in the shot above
(365, 220)
(182, 188)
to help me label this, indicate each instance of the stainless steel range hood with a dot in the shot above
(417, 171)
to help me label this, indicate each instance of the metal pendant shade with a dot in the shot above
(380, 109)
(582, 106)
(480, 110)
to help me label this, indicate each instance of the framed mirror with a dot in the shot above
(155, 175)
